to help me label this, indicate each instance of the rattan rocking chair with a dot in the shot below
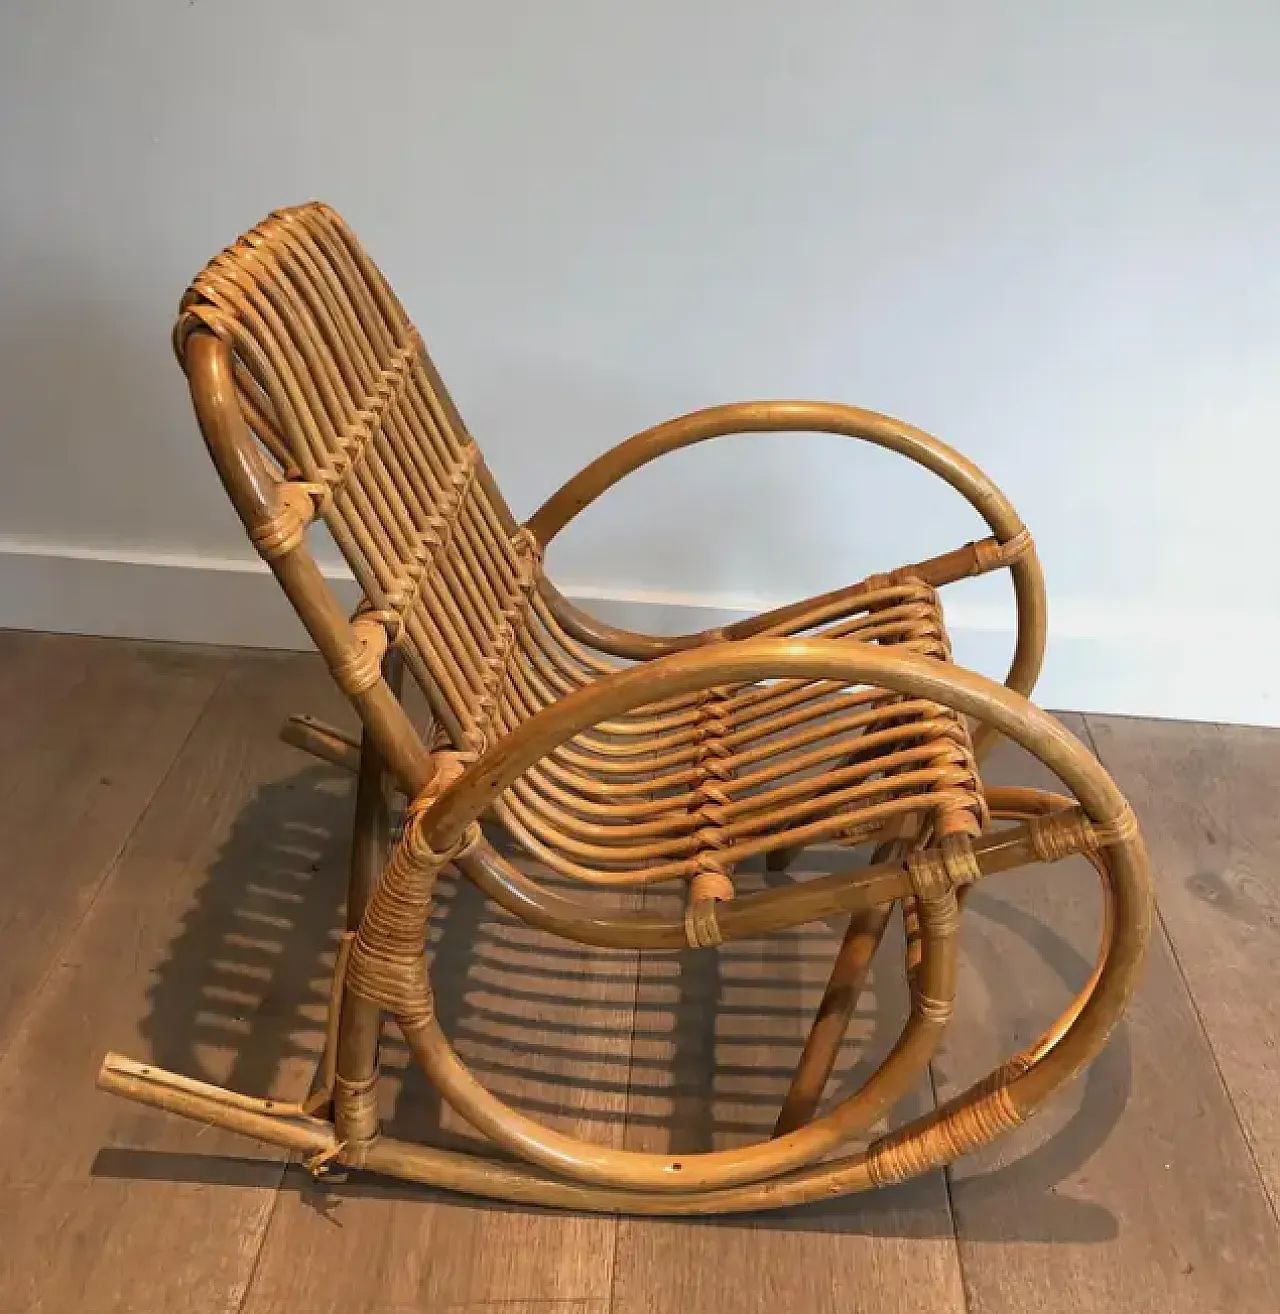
(620, 759)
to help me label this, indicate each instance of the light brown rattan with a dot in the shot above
(619, 759)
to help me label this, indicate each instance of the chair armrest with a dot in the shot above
(774, 417)
(958, 471)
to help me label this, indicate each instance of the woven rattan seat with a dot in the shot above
(617, 758)
(687, 789)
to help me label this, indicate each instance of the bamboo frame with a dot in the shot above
(838, 719)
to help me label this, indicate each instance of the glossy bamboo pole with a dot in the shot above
(323, 741)
(839, 1000)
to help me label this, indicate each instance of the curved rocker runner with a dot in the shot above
(622, 759)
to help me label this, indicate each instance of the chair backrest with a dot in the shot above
(332, 379)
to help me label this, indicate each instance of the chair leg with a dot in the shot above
(848, 976)
(839, 1000)
(371, 832)
(360, 1023)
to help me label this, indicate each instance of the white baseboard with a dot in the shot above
(146, 595)
(1100, 659)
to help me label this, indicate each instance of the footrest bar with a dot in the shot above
(326, 742)
(272, 1121)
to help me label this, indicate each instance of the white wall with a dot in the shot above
(1047, 232)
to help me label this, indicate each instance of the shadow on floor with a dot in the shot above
(680, 1052)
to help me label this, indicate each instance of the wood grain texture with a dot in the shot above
(104, 1247)
(718, 1035)
(546, 1024)
(88, 729)
(1206, 796)
(506, 1307)
(206, 949)
(1134, 1190)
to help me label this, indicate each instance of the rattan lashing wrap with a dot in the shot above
(333, 380)
(386, 965)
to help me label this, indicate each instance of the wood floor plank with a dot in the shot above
(1206, 797)
(36, 672)
(111, 1246)
(546, 1024)
(205, 951)
(718, 1034)
(1134, 1190)
(88, 729)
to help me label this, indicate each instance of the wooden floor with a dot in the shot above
(172, 887)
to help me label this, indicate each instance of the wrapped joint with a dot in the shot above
(361, 667)
(939, 916)
(991, 554)
(1122, 828)
(284, 531)
(709, 886)
(458, 849)
(701, 928)
(391, 621)
(967, 1123)
(937, 872)
(526, 546)
(1058, 835)
(937, 1012)
(355, 1116)
(413, 836)
(387, 966)
(710, 883)
(397, 984)
(959, 818)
